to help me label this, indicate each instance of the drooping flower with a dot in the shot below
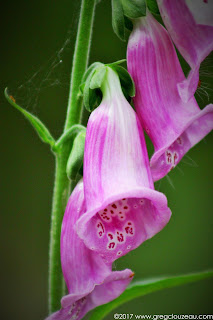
(123, 209)
(90, 282)
(173, 125)
(190, 24)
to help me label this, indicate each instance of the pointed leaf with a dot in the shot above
(141, 288)
(98, 78)
(116, 63)
(118, 23)
(40, 128)
(134, 8)
(75, 160)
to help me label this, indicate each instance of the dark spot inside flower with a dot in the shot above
(105, 209)
(125, 207)
(114, 206)
(111, 245)
(124, 199)
(111, 211)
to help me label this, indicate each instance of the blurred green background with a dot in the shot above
(37, 40)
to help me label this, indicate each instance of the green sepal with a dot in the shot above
(134, 8)
(118, 23)
(97, 78)
(68, 136)
(39, 127)
(75, 159)
(91, 97)
(142, 288)
(116, 63)
(93, 80)
(153, 6)
(127, 83)
(90, 70)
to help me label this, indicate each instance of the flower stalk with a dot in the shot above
(62, 183)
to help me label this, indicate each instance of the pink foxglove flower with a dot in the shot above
(89, 281)
(123, 209)
(190, 24)
(173, 125)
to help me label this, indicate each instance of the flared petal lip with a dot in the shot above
(71, 298)
(112, 276)
(158, 153)
(158, 199)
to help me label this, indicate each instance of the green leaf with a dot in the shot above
(126, 81)
(90, 70)
(153, 6)
(69, 135)
(39, 127)
(97, 78)
(134, 8)
(141, 288)
(89, 95)
(93, 80)
(75, 159)
(116, 63)
(118, 23)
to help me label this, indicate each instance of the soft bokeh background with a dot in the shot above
(36, 35)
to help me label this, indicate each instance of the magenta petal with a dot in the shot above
(110, 289)
(173, 125)
(82, 268)
(123, 209)
(90, 282)
(188, 23)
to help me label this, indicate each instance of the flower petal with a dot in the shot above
(110, 289)
(189, 26)
(173, 125)
(90, 282)
(123, 210)
(82, 268)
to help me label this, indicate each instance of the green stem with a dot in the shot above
(60, 196)
(80, 61)
(62, 184)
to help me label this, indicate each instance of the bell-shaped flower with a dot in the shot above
(173, 125)
(190, 25)
(123, 209)
(89, 280)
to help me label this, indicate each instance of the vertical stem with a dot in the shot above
(80, 61)
(60, 196)
(62, 184)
